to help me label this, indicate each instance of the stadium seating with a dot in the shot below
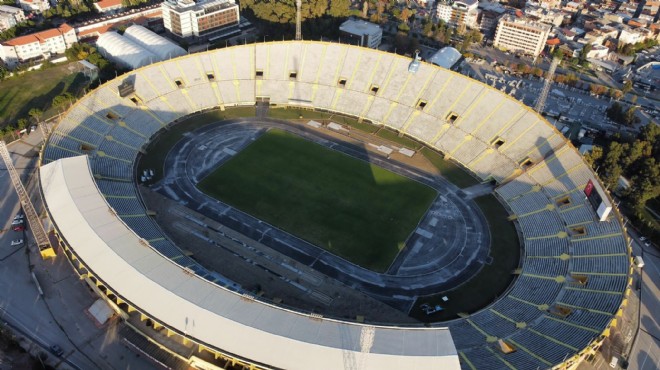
(540, 176)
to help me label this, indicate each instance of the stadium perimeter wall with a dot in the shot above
(491, 134)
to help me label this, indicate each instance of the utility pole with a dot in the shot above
(298, 20)
(540, 104)
(37, 228)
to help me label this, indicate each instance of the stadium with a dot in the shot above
(572, 280)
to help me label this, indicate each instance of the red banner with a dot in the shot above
(589, 188)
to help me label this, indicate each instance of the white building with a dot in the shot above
(631, 36)
(187, 18)
(458, 12)
(362, 33)
(38, 45)
(37, 6)
(123, 51)
(521, 35)
(552, 17)
(156, 44)
(10, 16)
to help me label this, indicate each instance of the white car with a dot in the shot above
(16, 242)
(17, 222)
(19, 216)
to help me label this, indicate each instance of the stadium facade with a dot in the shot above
(575, 273)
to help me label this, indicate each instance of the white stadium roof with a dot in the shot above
(211, 314)
(123, 51)
(156, 44)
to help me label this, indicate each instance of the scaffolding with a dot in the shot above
(36, 226)
(540, 104)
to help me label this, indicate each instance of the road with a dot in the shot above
(58, 316)
(645, 353)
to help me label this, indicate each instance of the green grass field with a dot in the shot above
(448, 169)
(158, 149)
(36, 89)
(351, 208)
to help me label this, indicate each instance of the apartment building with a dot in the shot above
(38, 45)
(188, 18)
(520, 34)
(458, 12)
(10, 16)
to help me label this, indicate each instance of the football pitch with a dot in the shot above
(352, 208)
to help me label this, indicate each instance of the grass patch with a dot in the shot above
(158, 149)
(351, 208)
(36, 89)
(392, 136)
(448, 169)
(353, 122)
(492, 280)
(296, 113)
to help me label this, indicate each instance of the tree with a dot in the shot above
(21, 123)
(339, 8)
(594, 156)
(63, 100)
(35, 113)
(584, 52)
(627, 86)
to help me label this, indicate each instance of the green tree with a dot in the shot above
(36, 114)
(21, 123)
(339, 8)
(594, 156)
(63, 100)
(646, 183)
(627, 86)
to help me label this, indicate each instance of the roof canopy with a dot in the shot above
(124, 51)
(156, 44)
(213, 315)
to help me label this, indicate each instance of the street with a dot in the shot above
(57, 317)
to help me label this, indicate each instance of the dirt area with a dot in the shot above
(257, 268)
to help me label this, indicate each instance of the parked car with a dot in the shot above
(19, 216)
(18, 228)
(17, 222)
(16, 242)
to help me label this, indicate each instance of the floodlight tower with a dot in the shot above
(540, 104)
(298, 20)
(40, 235)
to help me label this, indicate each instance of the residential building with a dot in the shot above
(38, 45)
(520, 34)
(107, 6)
(630, 35)
(361, 33)
(458, 12)
(10, 16)
(203, 18)
(37, 6)
(489, 15)
(552, 17)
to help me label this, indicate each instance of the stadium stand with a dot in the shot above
(575, 269)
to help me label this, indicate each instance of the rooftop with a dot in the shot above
(526, 22)
(359, 27)
(105, 4)
(190, 5)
